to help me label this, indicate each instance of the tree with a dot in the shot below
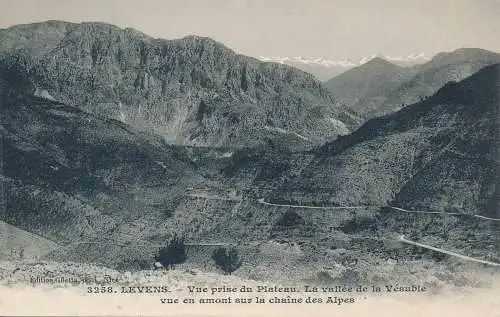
(227, 260)
(173, 253)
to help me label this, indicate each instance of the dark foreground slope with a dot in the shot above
(439, 154)
(192, 91)
(72, 176)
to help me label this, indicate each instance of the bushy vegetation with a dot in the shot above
(227, 259)
(290, 219)
(324, 277)
(173, 253)
(358, 224)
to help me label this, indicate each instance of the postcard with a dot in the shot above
(249, 158)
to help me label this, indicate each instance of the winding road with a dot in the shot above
(402, 238)
(464, 257)
(261, 200)
(213, 197)
(443, 213)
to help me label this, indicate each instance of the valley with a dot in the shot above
(113, 144)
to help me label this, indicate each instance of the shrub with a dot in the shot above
(358, 224)
(227, 260)
(173, 253)
(290, 219)
(324, 277)
(352, 277)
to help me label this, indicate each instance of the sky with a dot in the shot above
(330, 29)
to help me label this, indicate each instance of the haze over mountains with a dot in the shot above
(380, 87)
(114, 141)
(325, 69)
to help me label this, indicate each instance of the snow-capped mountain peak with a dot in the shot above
(421, 57)
(301, 60)
(324, 68)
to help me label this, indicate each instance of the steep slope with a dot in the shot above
(193, 91)
(68, 175)
(365, 87)
(431, 170)
(104, 192)
(431, 76)
(440, 154)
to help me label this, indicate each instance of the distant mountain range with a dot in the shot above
(325, 69)
(192, 91)
(379, 87)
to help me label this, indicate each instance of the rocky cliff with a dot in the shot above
(192, 91)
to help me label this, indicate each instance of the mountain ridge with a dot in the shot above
(364, 87)
(193, 90)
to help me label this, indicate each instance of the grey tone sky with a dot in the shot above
(334, 29)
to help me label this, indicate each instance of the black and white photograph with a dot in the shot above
(250, 158)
